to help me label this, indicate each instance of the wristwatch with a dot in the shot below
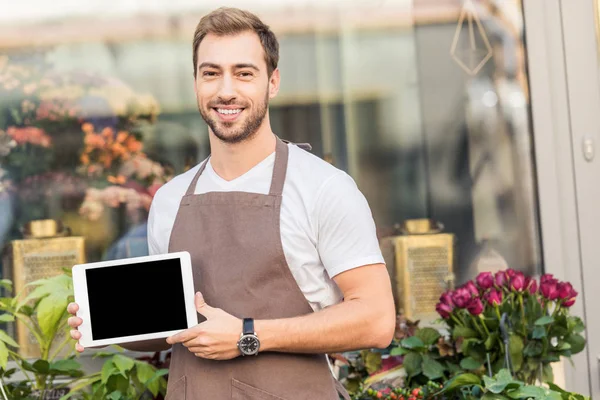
(248, 343)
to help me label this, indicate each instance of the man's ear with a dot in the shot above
(274, 83)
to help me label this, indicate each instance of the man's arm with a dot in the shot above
(365, 319)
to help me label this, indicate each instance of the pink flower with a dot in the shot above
(461, 297)
(511, 273)
(494, 297)
(517, 282)
(568, 303)
(485, 280)
(547, 277)
(549, 289)
(444, 310)
(531, 285)
(567, 293)
(470, 286)
(500, 279)
(475, 306)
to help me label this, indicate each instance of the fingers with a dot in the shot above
(79, 348)
(203, 308)
(72, 308)
(74, 322)
(75, 334)
(184, 336)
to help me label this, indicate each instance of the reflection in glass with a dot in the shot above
(425, 103)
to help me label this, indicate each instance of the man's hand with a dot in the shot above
(75, 322)
(214, 339)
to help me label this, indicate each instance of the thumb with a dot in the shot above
(201, 305)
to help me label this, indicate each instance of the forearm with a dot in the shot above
(148, 345)
(351, 325)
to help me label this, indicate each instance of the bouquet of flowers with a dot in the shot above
(509, 320)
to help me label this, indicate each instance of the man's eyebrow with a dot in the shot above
(246, 65)
(209, 65)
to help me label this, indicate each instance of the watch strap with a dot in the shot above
(248, 328)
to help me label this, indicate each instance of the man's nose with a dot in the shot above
(227, 89)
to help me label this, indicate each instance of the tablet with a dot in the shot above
(133, 299)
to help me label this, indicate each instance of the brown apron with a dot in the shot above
(239, 266)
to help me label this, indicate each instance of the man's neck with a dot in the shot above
(231, 161)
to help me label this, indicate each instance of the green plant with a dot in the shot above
(43, 311)
(508, 320)
(501, 386)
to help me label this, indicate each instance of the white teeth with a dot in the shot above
(224, 111)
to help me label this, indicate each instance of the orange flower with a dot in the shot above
(133, 145)
(87, 127)
(117, 180)
(122, 136)
(85, 159)
(118, 149)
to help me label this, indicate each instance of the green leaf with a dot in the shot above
(67, 365)
(145, 372)
(108, 369)
(103, 354)
(7, 284)
(563, 346)
(547, 374)
(470, 364)
(412, 364)
(412, 342)
(3, 356)
(124, 364)
(461, 331)
(116, 395)
(499, 382)
(41, 366)
(544, 320)
(372, 361)
(577, 343)
(398, 351)
(576, 325)
(539, 332)
(459, 381)
(428, 336)
(492, 396)
(527, 392)
(50, 311)
(491, 341)
(453, 368)
(7, 339)
(118, 382)
(432, 368)
(533, 349)
(6, 318)
(515, 347)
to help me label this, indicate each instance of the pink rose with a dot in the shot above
(485, 280)
(475, 306)
(517, 282)
(470, 286)
(494, 297)
(444, 310)
(500, 279)
(461, 297)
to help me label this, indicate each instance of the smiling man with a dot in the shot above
(286, 261)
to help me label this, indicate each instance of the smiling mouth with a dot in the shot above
(225, 111)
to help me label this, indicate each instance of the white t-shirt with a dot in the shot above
(326, 223)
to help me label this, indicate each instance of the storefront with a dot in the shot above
(478, 115)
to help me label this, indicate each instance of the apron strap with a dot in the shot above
(341, 390)
(192, 188)
(280, 168)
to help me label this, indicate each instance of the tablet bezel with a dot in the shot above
(81, 298)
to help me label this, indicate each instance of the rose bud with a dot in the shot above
(571, 300)
(532, 286)
(475, 307)
(564, 290)
(461, 297)
(446, 298)
(546, 278)
(517, 282)
(549, 290)
(444, 310)
(510, 273)
(485, 280)
(494, 297)
(500, 279)
(470, 286)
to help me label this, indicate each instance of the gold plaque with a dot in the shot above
(421, 267)
(32, 259)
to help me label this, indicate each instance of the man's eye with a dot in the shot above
(209, 73)
(245, 74)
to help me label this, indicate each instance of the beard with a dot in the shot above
(225, 131)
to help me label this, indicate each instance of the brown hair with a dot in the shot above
(230, 21)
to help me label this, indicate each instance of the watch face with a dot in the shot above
(249, 345)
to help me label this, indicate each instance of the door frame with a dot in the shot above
(562, 48)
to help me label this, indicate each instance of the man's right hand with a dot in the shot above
(75, 322)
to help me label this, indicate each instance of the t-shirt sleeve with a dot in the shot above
(153, 245)
(346, 236)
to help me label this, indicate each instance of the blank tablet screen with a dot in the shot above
(136, 299)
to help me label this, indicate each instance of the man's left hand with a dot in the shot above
(214, 339)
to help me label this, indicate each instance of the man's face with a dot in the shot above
(232, 85)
